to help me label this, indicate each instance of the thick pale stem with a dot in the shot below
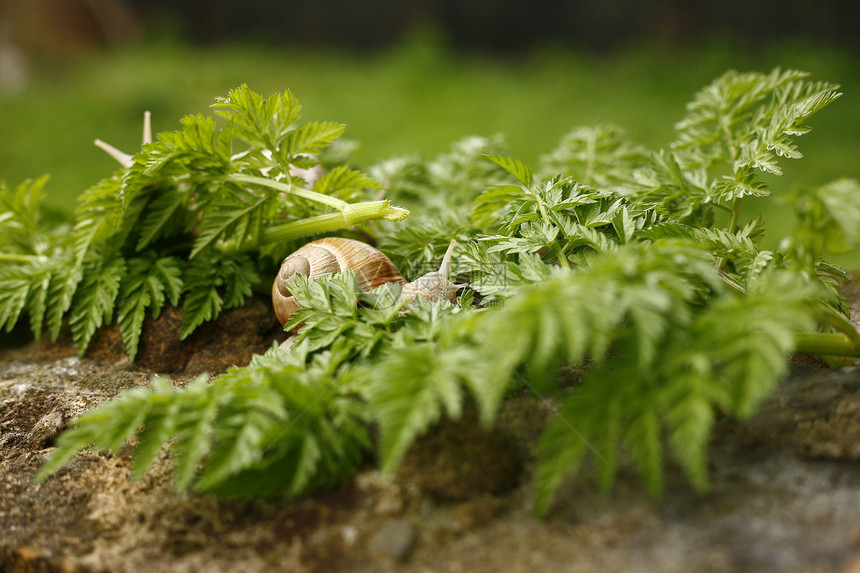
(815, 343)
(352, 215)
(292, 190)
(831, 344)
(831, 317)
(13, 258)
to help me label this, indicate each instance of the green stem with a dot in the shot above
(831, 317)
(846, 342)
(540, 204)
(836, 343)
(13, 258)
(559, 255)
(351, 215)
(736, 212)
(729, 281)
(817, 343)
(291, 189)
(731, 228)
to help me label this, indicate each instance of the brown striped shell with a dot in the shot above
(331, 255)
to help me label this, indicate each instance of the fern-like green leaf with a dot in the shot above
(64, 284)
(107, 427)
(492, 203)
(98, 215)
(345, 183)
(149, 283)
(751, 353)
(417, 247)
(521, 172)
(828, 217)
(21, 212)
(14, 290)
(708, 364)
(163, 217)
(304, 421)
(744, 183)
(414, 387)
(194, 425)
(93, 304)
(677, 192)
(309, 138)
(238, 219)
(565, 442)
(446, 185)
(241, 431)
(158, 426)
(260, 122)
(599, 156)
(37, 302)
(199, 147)
(214, 282)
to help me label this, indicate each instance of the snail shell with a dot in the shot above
(371, 267)
(332, 255)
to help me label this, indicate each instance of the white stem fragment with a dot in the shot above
(147, 127)
(123, 158)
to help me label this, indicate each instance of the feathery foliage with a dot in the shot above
(198, 215)
(607, 255)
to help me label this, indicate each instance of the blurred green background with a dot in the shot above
(414, 93)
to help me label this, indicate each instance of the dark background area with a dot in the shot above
(505, 26)
(488, 24)
(483, 25)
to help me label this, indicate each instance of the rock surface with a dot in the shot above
(785, 495)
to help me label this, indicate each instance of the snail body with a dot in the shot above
(371, 267)
(434, 285)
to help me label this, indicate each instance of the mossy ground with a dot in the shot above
(786, 485)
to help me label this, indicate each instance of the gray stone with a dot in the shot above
(46, 429)
(394, 540)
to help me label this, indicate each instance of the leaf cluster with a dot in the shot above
(296, 421)
(288, 423)
(609, 257)
(736, 129)
(443, 190)
(196, 216)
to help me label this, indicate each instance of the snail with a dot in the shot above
(371, 267)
